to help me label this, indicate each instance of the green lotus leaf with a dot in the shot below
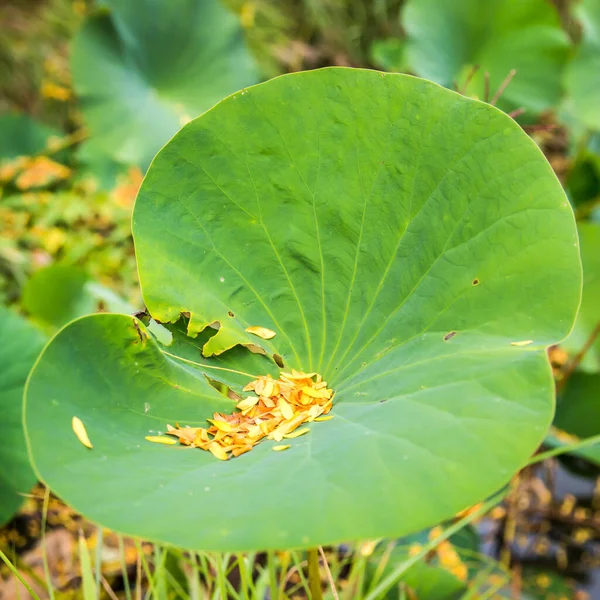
(57, 294)
(20, 135)
(447, 39)
(398, 238)
(589, 313)
(578, 409)
(583, 73)
(20, 343)
(142, 69)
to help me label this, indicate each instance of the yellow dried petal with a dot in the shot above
(268, 402)
(261, 332)
(280, 448)
(242, 450)
(286, 410)
(161, 439)
(247, 403)
(320, 419)
(312, 392)
(221, 425)
(217, 451)
(80, 432)
(268, 388)
(297, 433)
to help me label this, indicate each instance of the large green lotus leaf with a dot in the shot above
(446, 39)
(589, 313)
(141, 69)
(20, 343)
(583, 73)
(398, 238)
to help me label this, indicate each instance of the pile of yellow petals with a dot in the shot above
(275, 411)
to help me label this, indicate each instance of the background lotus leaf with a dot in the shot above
(142, 69)
(447, 39)
(20, 135)
(583, 73)
(589, 312)
(57, 294)
(20, 343)
(401, 239)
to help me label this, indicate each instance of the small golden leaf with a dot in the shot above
(261, 332)
(160, 439)
(80, 432)
(280, 448)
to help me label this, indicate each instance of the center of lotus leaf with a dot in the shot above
(275, 411)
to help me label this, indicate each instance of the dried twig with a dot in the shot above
(503, 87)
(329, 575)
(468, 79)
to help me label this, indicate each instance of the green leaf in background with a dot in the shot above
(20, 344)
(589, 312)
(399, 238)
(55, 295)
(578, 409)
(583, 73)
(142, 69)
(20, 135)
(446, 39)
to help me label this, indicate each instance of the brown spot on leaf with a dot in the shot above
(475, 281)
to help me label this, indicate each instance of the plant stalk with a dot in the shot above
(314, 576)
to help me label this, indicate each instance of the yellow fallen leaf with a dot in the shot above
(280, 448)
(160, 439)
(261, 332)
(524, 343)
(80, 432)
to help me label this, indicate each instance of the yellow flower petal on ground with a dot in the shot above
(248, 402)
(261, 332)
(221, 425)
(286, 410)
(297, 433)
(161, 439)
(280, 448)
(80, 432)
(217, 451)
